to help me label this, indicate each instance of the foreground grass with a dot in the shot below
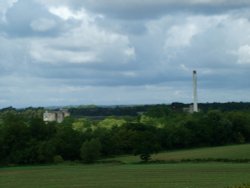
(235, 152)
(241, 186)
(189, 175)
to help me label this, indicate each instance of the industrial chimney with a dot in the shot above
(195, 105)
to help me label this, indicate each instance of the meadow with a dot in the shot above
(134, 175)
(231, 152)
(188, 175)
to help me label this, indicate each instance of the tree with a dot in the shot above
(158, 111)
(15, 138)
(144, 140)
(68, 142)
(241, 126)
(91, 151)
(2, 154)
(145, 145)
(219, 128)
(111, 122)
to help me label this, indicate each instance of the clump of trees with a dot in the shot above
(91, 150)
(26, 139)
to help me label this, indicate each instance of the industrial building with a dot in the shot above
(56, 115)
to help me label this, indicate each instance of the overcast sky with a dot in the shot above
(105, 52)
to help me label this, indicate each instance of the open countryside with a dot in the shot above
(161, 146)
(124, 94)
(234, 153)
(205, 175)
(174, 175)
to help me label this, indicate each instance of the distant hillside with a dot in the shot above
(229, 106)
(134, 110)
(223, 152)
(109, 110)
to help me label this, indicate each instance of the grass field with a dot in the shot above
(189, 175)
(129, 175)
(223, 152)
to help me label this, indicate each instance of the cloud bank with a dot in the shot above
(116, 52)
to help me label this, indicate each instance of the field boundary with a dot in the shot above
(198, 160)
(222, 160)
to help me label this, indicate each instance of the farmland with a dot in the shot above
(178, 175)
(65, 149)
(205, 175)
(232, 152)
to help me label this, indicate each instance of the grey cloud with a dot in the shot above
(27, 18)
(133, 9)
(4, 6)
(148, 60)
(87, 43)
(211, 57)
(13, 54)
(148, 9)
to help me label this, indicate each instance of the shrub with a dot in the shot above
(58, 159)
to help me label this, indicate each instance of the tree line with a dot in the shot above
(26, 139)
(134, 110)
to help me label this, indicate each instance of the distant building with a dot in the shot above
(57, 116)
(189, 109)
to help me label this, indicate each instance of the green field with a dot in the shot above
(190, 175)
(223, 152)
(129, 175)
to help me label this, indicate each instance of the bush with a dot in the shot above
(58, 159)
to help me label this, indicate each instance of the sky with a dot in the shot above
(110, 52)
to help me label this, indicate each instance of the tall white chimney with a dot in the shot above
(195, 105)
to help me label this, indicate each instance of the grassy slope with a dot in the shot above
(222, 152)
(206, 175)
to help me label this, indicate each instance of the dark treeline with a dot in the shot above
(224, 107)
(108, 110)
(26, 139)
(134, 110)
